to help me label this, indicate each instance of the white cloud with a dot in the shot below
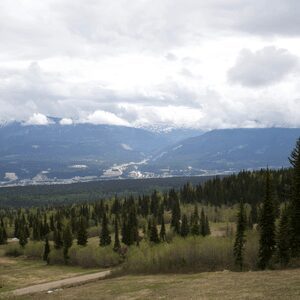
(38, 119)
(66, 121)
(104, 117)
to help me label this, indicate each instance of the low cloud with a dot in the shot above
(263, 67)
(104, 117)
(38, 119)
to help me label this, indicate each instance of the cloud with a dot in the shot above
(154, 63)
(66, 121)
(263, 67)
(104, 117)
(38, 119)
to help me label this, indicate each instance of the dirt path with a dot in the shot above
(58, 284)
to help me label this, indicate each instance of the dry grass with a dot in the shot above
(20, 272)
(218, 285)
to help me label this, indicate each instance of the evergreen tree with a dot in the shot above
(67, 241)
(283, 239)
(82, 235)
(105, 238)
(23, 237)
(203, 228)
(57, 238)
(267, 227)
(195, 227)
(184, 231)
(46, 250)
(295, 202)
(207, 227)
(162, 233)
(176, 213)
(239, 244)
(153, 233)
(3, 234)
(117, 244)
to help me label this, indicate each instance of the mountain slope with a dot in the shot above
(231, 149)
(65, 151)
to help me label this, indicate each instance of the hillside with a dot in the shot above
(231, 150)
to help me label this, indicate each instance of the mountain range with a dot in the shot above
(56, 153)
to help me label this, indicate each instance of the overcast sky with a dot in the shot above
(192, 63)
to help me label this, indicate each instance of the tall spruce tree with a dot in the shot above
(82, 235)
(184, 230)
(117, 244)
(239, 244)
(176, 213)
(153, 232)
(202, 223)
(267, 227)
(162, 233)
(3, 233)
(46, 250)
(195, 227)
(57, 238)
(67, 241)
(295, 202)
(283, 239)
(105, 238)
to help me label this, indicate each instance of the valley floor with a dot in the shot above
(283, 284)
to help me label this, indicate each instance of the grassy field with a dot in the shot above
(215, 285)
(20, 272)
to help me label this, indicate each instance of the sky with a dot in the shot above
(169, 63)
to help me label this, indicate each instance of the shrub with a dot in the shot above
(13, 250)
(93, 256)
(195, 254)
(56, 257)
(34, 249)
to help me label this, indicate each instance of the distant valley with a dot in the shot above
(31, 154)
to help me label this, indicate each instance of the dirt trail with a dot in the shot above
(58, 284)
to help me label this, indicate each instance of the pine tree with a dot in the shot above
(82, 235)
(153, 233)
(283, 239)
(184, 231)
(295, 202)
(267, 227)
(23, 237)
(46, 250)
(162, 233)
(105, 238)
(67, 241)
(207, 227)
(176, 213)
(3, 234)
(195, 227)
(239, 244)
(57, 238)
(202, 223)
(117, 244)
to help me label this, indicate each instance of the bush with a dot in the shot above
(14, 250)
(34, 249)
(56, 257)
(196, 254)
(93, 256)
